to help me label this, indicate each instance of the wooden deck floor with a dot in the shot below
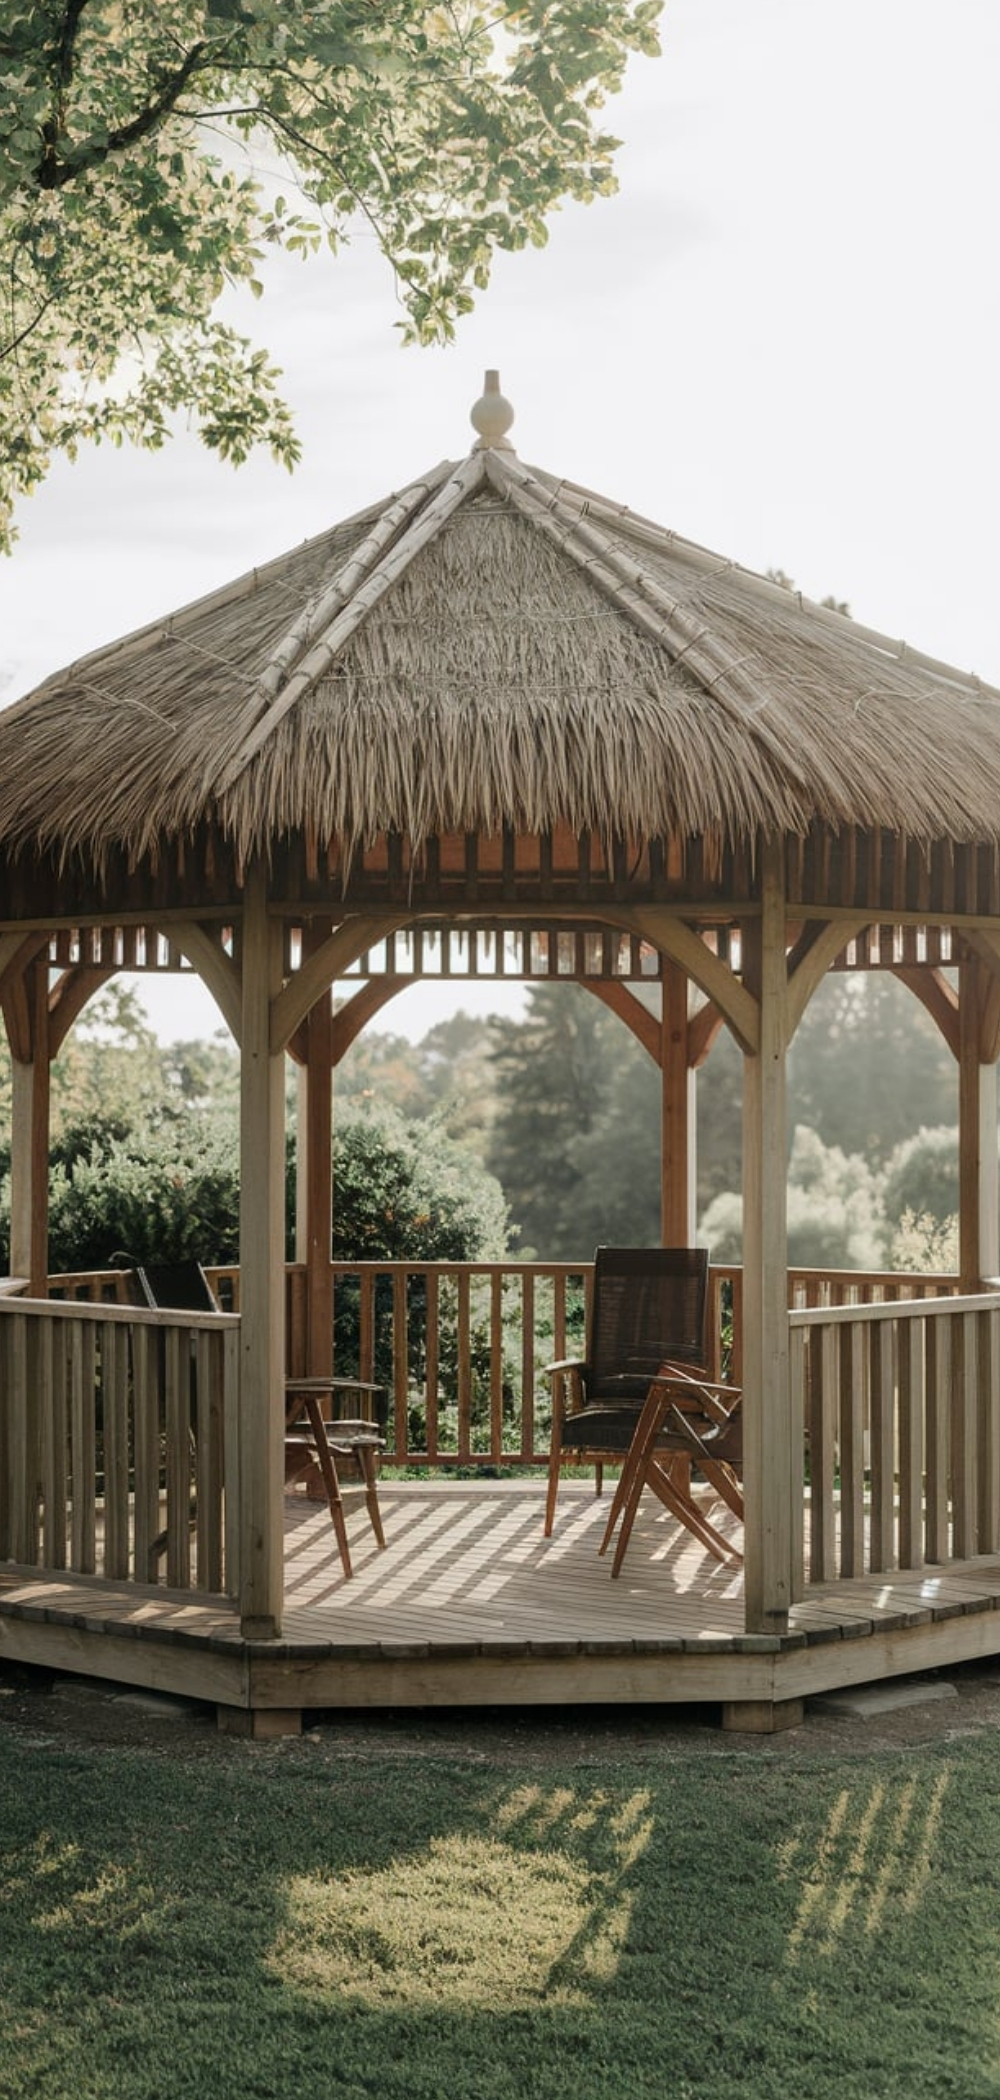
(469, 1605)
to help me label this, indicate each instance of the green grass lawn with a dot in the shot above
(419, 1922)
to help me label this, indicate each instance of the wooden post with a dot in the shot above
(677, 1123)
(262, 1273)
(29, 1157)
(772, 1451)
(319, 1187)
(979, 1199)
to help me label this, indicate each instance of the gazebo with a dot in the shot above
(498, 708)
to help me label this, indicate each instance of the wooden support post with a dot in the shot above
(979, 1201)
(319, 1187)
(262, 1272)
(677, 1123)
(29, 1162)
(772, 1446)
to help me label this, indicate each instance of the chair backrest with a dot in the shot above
(649, 1303)
(177, 1286)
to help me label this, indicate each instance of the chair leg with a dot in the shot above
(330, 1481)
(630, 1484)
(725, 1483)
(552, 1491)
(366, 1459)
(621, 1490)
(687, 1512)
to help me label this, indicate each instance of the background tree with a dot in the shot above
(131, 139)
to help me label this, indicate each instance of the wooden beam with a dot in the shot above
(938, 997)
(814, 953)
(673, 937)
(361, 1007)
(262, 1273)
(703, 1031)
(67, 999)
(644, 1025)
(319, 1187)
(344, 946)
(979, 1194)
(676, 1120)
(30, 1115)
(773, 1453)
(216, 969)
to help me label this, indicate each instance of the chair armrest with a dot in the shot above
(718, 1402)
(565, 1363)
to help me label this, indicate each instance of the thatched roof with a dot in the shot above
(497, 647)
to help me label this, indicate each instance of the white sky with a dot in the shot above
(780, 339)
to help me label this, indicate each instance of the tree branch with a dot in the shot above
(54, 173)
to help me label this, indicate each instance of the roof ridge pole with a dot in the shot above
(252, 733)
(262, 1272)
(646, 602)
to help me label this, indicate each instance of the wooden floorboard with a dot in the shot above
(467, 1582)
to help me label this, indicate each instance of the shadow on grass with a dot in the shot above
(267, 1924)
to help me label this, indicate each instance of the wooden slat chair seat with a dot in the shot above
(649, 1305)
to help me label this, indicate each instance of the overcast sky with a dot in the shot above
(779, 339)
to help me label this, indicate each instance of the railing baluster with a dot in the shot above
(148, 1430)
(400, 1359)
(464, 1370)
(988, 1438)
(431, 1358)
(50, 1399)
(496, 1366)
(882, 1389)
(83, 1439)
(852, 1450)
(963, 1440)
(911, 1443)
(209, 1406)
(114, 1422)
(939, 1373)
(525, 1282)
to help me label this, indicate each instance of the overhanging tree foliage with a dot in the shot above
(144, 145)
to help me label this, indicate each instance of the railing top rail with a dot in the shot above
(128, 1315)
(891, 1309)
(462, 1268)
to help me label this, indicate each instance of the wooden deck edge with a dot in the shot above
(138, 1638)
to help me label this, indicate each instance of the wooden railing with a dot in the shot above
(894, 1387)
(898, 1408)
(460, 1348)
(117, 1439)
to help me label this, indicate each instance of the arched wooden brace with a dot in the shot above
(217, 970)
(969, 1021)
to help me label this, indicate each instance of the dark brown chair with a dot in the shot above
(686, 1422)
(649, 1305)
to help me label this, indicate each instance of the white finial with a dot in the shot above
(492, 417)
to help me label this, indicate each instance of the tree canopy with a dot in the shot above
(152, 152)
